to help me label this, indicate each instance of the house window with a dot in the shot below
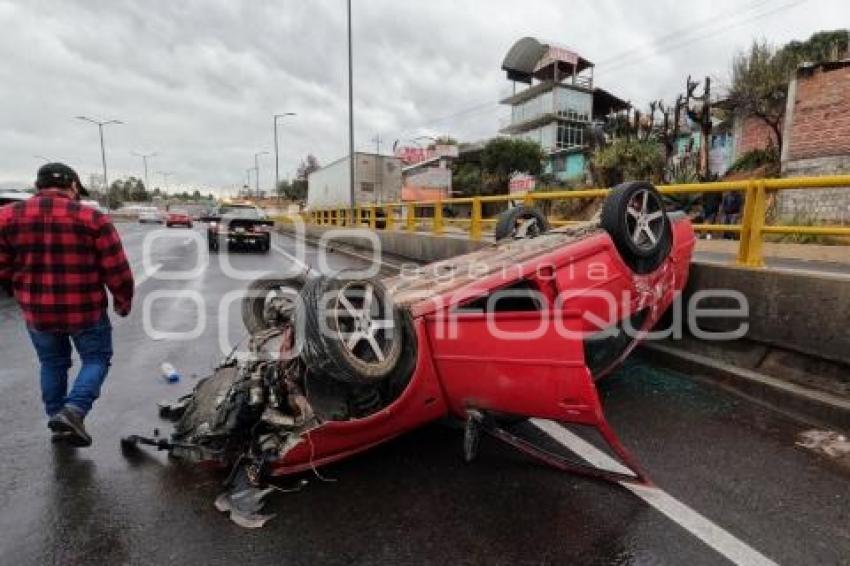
(367, 187)
(570, 135)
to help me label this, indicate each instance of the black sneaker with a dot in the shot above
(67, 421)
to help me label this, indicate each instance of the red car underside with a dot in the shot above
(463, 366)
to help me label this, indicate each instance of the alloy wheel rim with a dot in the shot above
(363, 323)
(645, 219)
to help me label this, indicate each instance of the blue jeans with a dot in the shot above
(94, 345)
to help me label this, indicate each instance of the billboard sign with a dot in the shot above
(521, 184)
(410, 155)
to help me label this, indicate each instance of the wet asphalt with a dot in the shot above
(410, 501)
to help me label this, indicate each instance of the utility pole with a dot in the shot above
(100, 126)
(246, 188)
(350, 116)
(145, 157)
(377, 139)
(257, 171)
(276, 155)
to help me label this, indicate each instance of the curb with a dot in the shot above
(817, 407)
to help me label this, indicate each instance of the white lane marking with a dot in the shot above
(148, 274)
(392, 265)
(709, 533)
(291, 257)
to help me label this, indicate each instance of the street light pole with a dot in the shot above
(100, 126)
(257, 171)
(276, 154)
(350, 116)
(145, 157)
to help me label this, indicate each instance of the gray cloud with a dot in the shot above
(198, 80)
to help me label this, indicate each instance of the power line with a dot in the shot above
(625, 61)
(628, 57)
(679, 33)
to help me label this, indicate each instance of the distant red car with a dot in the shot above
(178, 218)
(521, 329)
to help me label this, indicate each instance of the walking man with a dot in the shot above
(57, 256)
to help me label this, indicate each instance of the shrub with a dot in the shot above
(754, 159)
(628, 160)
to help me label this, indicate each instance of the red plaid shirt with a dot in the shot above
(58, 255)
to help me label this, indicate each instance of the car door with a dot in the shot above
(509, 351)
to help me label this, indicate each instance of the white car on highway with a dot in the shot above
(150, 214)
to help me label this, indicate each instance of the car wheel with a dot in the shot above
(521, 222)
(635, 218)
(268, 302)
(353, 333)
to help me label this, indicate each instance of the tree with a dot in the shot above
(502, 157)
(760, 76)
(466, 178)
(760, 86)
(124, 190)
(295, 191)
(701, 114)
(627, 160)
(307, 166)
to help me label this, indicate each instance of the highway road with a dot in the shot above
(732, 486)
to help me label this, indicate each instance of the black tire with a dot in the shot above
(635, 218)
(254, 303)
(331, 347)
(521, 222)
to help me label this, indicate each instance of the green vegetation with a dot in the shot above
(627, 160)
(296, 190)
(502, 157)
(756, 158)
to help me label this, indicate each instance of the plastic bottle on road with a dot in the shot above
(169, 374)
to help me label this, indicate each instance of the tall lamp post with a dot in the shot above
(350, 117)
(276, 154)
(145, 157)
(257, 170)
(100, 126)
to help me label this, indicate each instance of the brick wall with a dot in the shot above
(821, 119)
(818, 143)
(752, 133)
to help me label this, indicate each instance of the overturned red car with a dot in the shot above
(521, 329)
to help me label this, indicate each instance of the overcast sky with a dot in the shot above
(198, 81)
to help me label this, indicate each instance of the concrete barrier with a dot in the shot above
(802, 311)
(799, 311)
(415, 246)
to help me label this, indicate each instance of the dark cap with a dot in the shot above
(58, 175)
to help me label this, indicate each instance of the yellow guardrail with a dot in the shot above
(415, 216)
